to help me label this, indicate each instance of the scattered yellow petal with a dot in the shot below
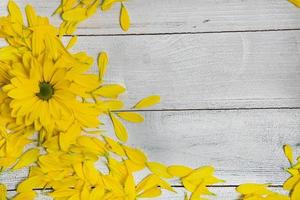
(110, 91)
(27, 158)
(151, 193)
(159, 169)
(147, 102)
(30, 195)
(72, 42)
(135, 155)
(3, 192)
(124, 18)
(252, 188)
(295, 2)
(131, 117)
(102, 63)
(119, 128)
(76, 14)
(296, 192)
(179, 170)
(288, 151)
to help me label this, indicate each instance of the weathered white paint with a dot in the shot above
(229, 70)
(243, 145)
(245, 70)
(204, 71)
(173, 16)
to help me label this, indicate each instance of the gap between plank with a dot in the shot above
(185, 33)
(208, 109)
(174, 186)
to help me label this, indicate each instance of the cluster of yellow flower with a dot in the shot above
(75, 11)
(50, 105)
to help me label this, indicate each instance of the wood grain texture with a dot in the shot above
(175, 16)
(243, 145)
(206, 71)
(227, 193)
(229, 70)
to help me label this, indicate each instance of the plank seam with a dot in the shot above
(209, 109)
(185, 33)
(174, 186)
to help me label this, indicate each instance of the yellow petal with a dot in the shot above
(295, 2)
(288, 151)
(107, 4)
(296, 192)
(65, 192)
(179, 170)
(115, 146)
(252, 188)
(3, 192)
(147, 102)
(76, 14)
(200, 173)
(30, 195)
(129, 187)
(124, 18)
(93, 8)
(150, 193)
(199, 191)
(159, 169)
(31, 183)
(110, 91)
(72, 42)
(119, 128)
(27, 158)
(133, 166)
(131, 117)
(15, 12)
(97, 193)
(91, 173)
(102, 63)
(31, 15)
(290, 183)
(135, 155)
(147, 183)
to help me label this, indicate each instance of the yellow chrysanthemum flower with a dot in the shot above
(44, 92)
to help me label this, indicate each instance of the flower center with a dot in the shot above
(46, 91)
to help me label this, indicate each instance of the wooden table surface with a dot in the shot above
(228, 72)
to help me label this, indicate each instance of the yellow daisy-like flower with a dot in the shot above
(44, 93)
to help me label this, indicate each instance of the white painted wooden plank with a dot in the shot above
(223, 193)
(202, 71)
(205, 71)
(166, 16)
(243, 145)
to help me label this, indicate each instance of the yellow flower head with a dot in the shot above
(44, 92)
